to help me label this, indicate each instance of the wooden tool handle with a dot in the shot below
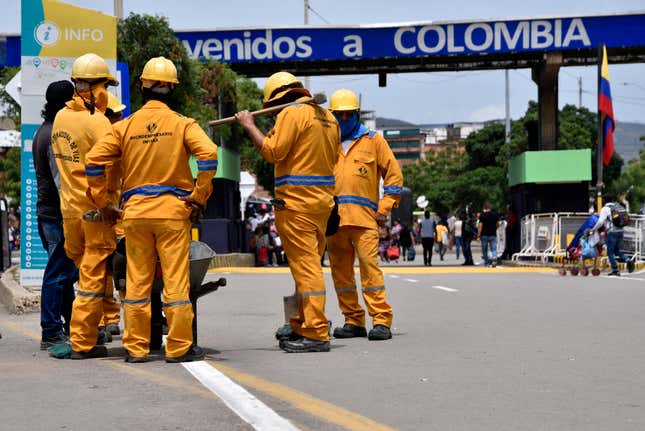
(318, 98)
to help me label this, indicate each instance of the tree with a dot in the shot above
(205, 92)
(632, 182)
(142, 37)
(10, 174)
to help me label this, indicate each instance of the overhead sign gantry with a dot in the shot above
(542, 44)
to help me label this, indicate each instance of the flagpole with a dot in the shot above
(599, 184)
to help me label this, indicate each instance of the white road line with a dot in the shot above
(447, 289)
(623, 278)
(238, 399)
(411, 280)
(393, 276)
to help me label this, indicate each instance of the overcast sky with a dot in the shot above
(415, 97)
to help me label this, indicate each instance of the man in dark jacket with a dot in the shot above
(57, 292)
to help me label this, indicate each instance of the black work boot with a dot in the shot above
(135, 359)
(113, 328)
(350, 331)
(104, 336)
(195, 353)
(304, 345)
(47, 342)
(286, 332)
(380, 332)
(96, 352)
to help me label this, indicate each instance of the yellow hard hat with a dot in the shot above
(91, 67)
(281, 83)
(114, 104)
(343, 100)
(159, 69)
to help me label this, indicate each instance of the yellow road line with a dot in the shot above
(157, 378)
(304, 402)
(400, 270)
(21, 330)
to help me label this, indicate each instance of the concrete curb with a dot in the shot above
(232, 260)
(15, 298)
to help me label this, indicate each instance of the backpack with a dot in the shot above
(619, 215)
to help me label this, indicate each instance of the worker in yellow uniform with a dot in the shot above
(154, 145)
(365, 158)
(304, 146)
(76, 129)
(111, 309)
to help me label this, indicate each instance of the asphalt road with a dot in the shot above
(480, 350)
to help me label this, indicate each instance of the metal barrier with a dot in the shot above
(5, 254)
(538, 236)
(546, 236)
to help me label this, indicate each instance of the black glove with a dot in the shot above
(333, 222)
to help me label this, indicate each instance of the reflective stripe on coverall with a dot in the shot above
(88, 244)
(304, 146)
(154, 147)
(357, 181)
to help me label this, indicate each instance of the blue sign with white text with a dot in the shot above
(435, 39)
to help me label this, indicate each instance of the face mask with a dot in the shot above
(348, 127)
(95, 97)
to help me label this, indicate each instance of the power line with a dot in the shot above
(317, 14)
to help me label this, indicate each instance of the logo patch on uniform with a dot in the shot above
(362, 170)
(151, 127)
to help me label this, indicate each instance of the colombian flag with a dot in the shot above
(606, 111)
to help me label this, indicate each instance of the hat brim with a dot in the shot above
(302, 91)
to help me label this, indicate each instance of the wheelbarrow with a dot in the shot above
(200, 258)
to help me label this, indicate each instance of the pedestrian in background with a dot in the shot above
(487, 233)
(427, 237)
(57, 291)
(612, 220)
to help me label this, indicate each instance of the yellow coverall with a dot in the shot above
(154, 146)
(358, 172)
(304, 146)
(88, 244)
(111, 309)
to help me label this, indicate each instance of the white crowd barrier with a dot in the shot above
(546, 236)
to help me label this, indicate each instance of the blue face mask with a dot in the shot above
(351, 128)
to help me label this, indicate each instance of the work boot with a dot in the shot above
(195, 353)
(304, 345)
(113, 328)
(614, 273)
(630, 266)
(136, 359)
(380, 332)
(47, 342)
(96, 352)
(104, 336)
(286, 332)
(350, 331)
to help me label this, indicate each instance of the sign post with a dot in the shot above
(53, 35)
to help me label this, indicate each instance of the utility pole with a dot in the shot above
(507, 128)
(307, 82)
(579, 92)
(118, 9)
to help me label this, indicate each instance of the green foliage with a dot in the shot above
(205, 92)
(633, 182)
(10, 174)
(142, 37)
(11, 107)
(484, 145)
(480, 175)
